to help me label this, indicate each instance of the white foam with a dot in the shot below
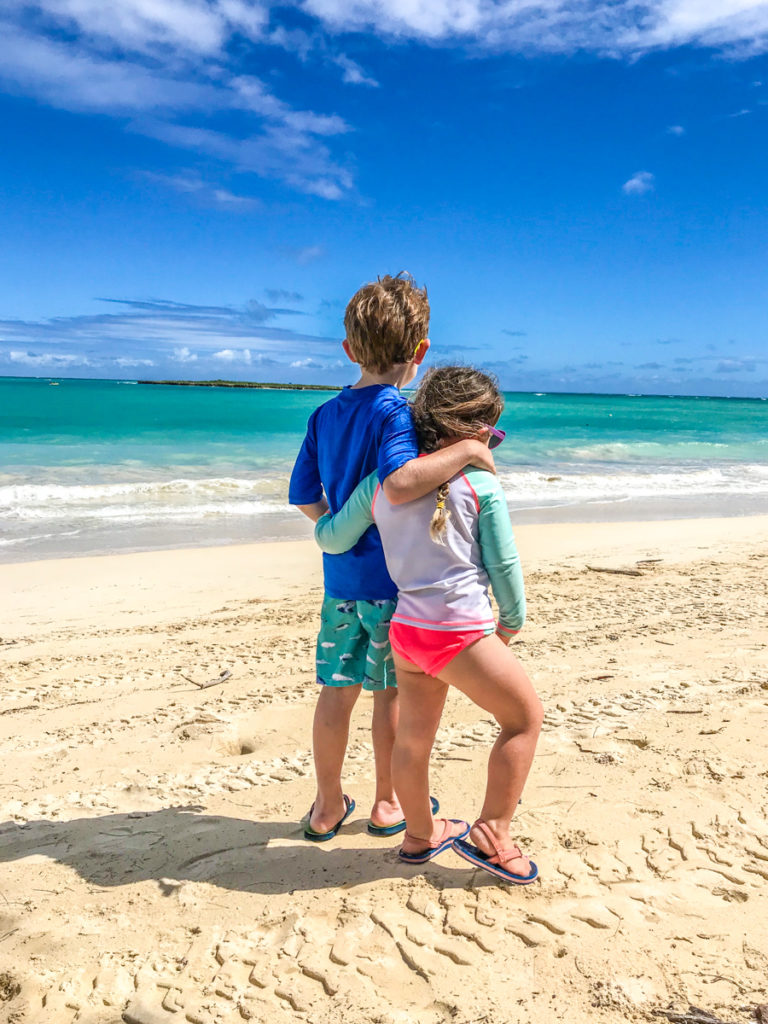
(532, 488)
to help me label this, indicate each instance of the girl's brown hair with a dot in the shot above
(453, 402)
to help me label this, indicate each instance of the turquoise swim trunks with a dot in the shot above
(353, 644)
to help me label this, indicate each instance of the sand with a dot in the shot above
(151, 861)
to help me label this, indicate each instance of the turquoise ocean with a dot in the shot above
(93, 467)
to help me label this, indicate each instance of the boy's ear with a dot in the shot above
(348, 351)
(421, 350)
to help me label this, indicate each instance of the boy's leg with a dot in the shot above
(339, 645)
(330, 734)
(386, 808)
(379, 678)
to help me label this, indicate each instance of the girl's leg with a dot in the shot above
(386, 808)
(492, 677)
(421, 704)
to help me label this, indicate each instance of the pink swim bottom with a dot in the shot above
(431, 649)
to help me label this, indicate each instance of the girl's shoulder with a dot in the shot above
(483, 483)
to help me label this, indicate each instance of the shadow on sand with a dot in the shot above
(179, 844)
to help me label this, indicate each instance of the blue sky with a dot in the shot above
(194, 188)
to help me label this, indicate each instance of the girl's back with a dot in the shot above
(440, 585)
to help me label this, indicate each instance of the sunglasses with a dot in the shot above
(496, 436)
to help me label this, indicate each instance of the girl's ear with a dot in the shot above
(348, 351)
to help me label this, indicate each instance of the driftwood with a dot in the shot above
(617, 572)
(222, 678)
(692, 1016)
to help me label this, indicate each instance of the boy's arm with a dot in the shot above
(341, 532)
(499, 555)
(305, 490)
(418, 477)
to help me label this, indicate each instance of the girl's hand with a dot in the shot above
(504, 637)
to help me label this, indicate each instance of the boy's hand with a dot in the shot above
(315, 510)
(479, 455)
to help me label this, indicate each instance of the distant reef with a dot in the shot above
(243, 384)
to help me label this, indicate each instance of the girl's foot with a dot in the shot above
(445, 832)
(497, 854)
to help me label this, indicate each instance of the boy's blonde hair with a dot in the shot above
(385, 321)
(451, 402)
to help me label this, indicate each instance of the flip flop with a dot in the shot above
(399, 826)
(494, 862)
(432, 849)
(323, 837)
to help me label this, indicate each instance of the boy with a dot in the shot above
(367, 426)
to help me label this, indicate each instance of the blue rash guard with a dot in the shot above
(360, 431)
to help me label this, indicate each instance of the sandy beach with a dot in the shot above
(151, 861)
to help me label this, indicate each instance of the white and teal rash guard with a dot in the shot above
(440, 586)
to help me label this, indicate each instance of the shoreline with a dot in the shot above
(296, 529)
(546, 544)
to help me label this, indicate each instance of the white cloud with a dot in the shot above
(640, 183)
(157, 62)
(675, 129)
(126, 361)
(353, 74)
(47, 359)
(231, 355)
(169, 67)
(184, 355)
(746, 365)
(151, 26)
(226, 198)
(304, 164)
(306, 364)
(308, 254)
(562, 26)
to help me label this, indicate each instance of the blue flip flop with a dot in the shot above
(399, 826)
(323, 837)
(445, 842)
(482, 860)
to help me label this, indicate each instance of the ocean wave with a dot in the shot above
(142, 490)
(658, 451)
(25, 507)
(529, 488)
(170, 501)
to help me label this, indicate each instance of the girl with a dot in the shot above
(443, 551)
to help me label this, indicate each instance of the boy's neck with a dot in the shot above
(397, 376)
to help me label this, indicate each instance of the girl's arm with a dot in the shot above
(341, 532)
(499, 554)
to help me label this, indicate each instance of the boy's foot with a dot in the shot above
(446, 831)
(323, 827)
(496, 854)
(391, 821)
